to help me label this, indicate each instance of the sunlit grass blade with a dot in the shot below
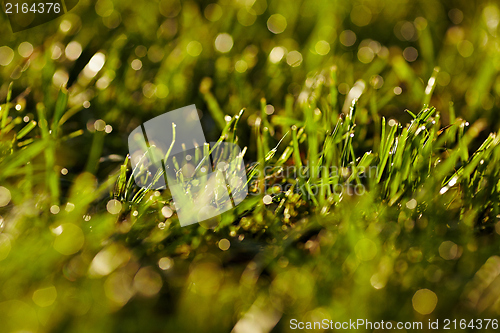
(6, 108)
(26, 129)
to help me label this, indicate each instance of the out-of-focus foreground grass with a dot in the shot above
(333, 85)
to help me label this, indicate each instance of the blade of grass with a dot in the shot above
(6, 108)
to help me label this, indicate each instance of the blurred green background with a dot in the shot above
(71, 260)
(157, 56)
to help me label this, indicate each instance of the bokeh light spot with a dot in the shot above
(114, 206)
(408, 30)
(424, 301)
(60, 78)
(456, 15)
(366, 249)
(377, 81)
(411, 204)
(156, 53)
(162, 91)
(366, 54)
(361, 15)
(95, 64)
(322, 47)
(269, 109)
(104, 8)
(267, 199)
(343, 88)
(224, 43)
(136, 64)
(65, 26)
(347, 38)
(141, 51)
(246, 16)
(25, 49)
(443, 78)
(170, 8)
(165, 263)
(73, 50)
(149, 90)
(378, 281)
(54, 209)
(44, 297)
(166, 212)
(99, 125)
(109, 259)
(420, 23)
(6, 55)
(70, 240)
(276, 23)
(465, 48)
(491, 15)
(57, 51)
(5, 196)
(118, 288)
(194, 48)
(276, 54)
(448, 250)
(241, 66)
(5, 246)
(294, 58)
(224, 244)
(147, 282)
(410, 54)
(213, 12)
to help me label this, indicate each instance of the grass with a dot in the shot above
(366, 202)
(422, 221)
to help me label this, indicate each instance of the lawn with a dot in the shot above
(370, 139)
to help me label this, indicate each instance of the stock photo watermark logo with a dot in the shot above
(26, 14)
(205, 179)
